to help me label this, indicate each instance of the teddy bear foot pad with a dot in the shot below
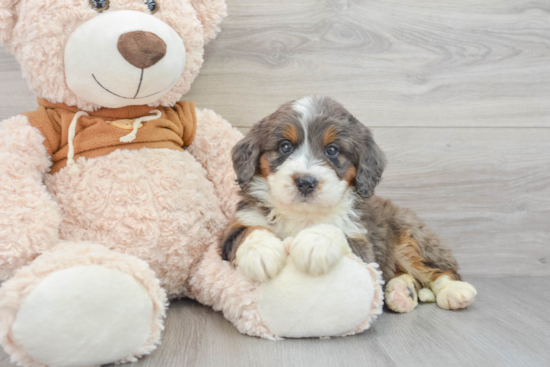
(81, 315)
(86, 315)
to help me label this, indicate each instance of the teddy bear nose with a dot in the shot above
(141, 49)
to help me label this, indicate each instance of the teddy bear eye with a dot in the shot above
(99, 5)
(152, 5)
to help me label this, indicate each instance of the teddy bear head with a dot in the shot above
(109, 53)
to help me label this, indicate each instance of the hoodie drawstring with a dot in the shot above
(132, 135)
(72, 133)
(125, 139)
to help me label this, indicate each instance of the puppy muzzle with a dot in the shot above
(306, 185)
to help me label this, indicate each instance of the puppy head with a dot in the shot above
(309, 152)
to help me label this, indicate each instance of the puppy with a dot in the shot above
(308, 173)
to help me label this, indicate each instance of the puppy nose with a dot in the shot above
(306, 185)
(141, 49)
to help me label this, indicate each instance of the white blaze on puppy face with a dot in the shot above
(98, 72)
(303, 163)
(328, 193)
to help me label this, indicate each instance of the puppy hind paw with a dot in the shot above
(456, 295)
(318, 249)
(261, 256)
(401, 294)
(426, 295)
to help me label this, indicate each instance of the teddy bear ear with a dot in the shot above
(210, 14)
(7, 20)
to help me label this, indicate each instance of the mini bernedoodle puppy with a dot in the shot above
(308, 173)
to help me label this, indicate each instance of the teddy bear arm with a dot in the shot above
(292, 304)
(214, 140)
(29, 217)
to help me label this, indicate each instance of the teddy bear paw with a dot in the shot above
(82, 316)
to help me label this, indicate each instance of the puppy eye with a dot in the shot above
(285, 147)
(152, 5)
(99, 5)
(332, 151)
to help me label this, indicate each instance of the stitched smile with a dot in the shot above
(139, 86)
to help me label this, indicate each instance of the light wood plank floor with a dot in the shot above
(508, 325)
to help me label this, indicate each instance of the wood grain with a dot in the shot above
(15, 96)
(392, 63)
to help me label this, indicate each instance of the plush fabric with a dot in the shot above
(81, 308)
(29, 217)
(68, 255)
(99, 133)
(214, 136)
(155, 204)
(350, 283)
(118, 79)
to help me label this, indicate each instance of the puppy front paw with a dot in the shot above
(318, 249)
(261, 256)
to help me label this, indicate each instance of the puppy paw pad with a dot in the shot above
(401, 294)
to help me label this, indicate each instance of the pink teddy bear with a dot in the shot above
(114, 193)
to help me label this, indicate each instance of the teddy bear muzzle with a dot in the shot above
(150, 59)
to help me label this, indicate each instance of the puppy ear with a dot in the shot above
(210, 14)
(7, 20)
(371, 163)
(246, 155)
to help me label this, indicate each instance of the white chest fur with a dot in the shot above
(286, 221)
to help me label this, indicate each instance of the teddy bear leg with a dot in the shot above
(217, 284)
(344, 301)
(81, 304)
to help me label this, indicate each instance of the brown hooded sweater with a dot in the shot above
(99, 133)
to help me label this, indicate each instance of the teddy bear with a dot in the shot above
(114, 192)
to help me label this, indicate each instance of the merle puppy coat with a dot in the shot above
(308, 173)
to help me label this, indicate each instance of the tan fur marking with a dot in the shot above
(409, 261)
(265, 170)
(350, 175)
(329, 136)
(291, 133)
